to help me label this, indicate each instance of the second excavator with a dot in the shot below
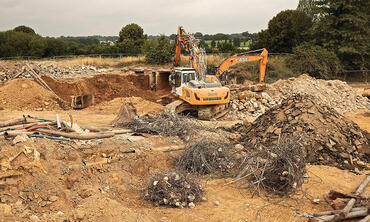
(198, 92)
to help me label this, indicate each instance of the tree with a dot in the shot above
(213, 43)
(198, 35)
(286, 30)
(159, 51)
(131, 38)
(24, 29)
(37, 47)
(307, 6)
(55, 47)
(343, 27)
(316, 61)
(225, 47)
(236, 42)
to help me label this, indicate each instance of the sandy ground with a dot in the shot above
(236, 203)
(113, 192)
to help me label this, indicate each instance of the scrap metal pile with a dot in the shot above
(278, 169)
(30, 126)
(207, 156)
(357, 207)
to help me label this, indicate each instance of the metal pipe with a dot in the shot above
(49, 137)
(87, 136)
(23, 125)
(13, 121)
(58, 121)
(16, 133)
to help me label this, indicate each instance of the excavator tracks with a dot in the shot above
(208, 112)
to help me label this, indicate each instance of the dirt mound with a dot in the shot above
(22, 94)
(333, 93)
(104, 87)
(331, 139)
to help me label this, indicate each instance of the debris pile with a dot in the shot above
(251, 101)
(207, 157)
(174, 189)
(163, 124)
(56, 70)
(333, 93)
(26, 127)
(279, 169)
(248, 104)
(331, 139)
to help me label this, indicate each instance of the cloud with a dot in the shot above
(107, 17)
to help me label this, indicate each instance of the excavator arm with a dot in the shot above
(240, 58)
(191, 45)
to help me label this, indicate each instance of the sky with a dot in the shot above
(107, 17)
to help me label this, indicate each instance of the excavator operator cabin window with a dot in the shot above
(188, 77)
(178, 79)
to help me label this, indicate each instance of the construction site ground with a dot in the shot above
(102, 180)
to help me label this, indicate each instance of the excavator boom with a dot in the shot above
(240, 58)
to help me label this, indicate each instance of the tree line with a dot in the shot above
(24, 41)
(327, 36)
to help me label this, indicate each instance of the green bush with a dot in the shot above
(159, 51)
(316, 61)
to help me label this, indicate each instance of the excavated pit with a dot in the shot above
(107, 87)
(23, 94)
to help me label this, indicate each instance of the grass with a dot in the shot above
(105, 62)
(212, 60)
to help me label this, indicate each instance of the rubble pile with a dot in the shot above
(253, 100)
(55, 70)
(333, 93)
(331, 139)
(248, 104)
(174, 189)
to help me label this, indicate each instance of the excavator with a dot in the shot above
(196, 91)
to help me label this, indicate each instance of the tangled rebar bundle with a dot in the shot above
(174, 189)
(279, 169)
(207, 156)
(164, 124)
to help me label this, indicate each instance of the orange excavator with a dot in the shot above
(197, 91)
(246, 57)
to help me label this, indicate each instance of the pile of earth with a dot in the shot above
(25, 94)
(330, 138)
(333, 93)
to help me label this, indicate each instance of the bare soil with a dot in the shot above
(98, 180)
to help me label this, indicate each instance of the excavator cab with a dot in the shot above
(180, 77)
